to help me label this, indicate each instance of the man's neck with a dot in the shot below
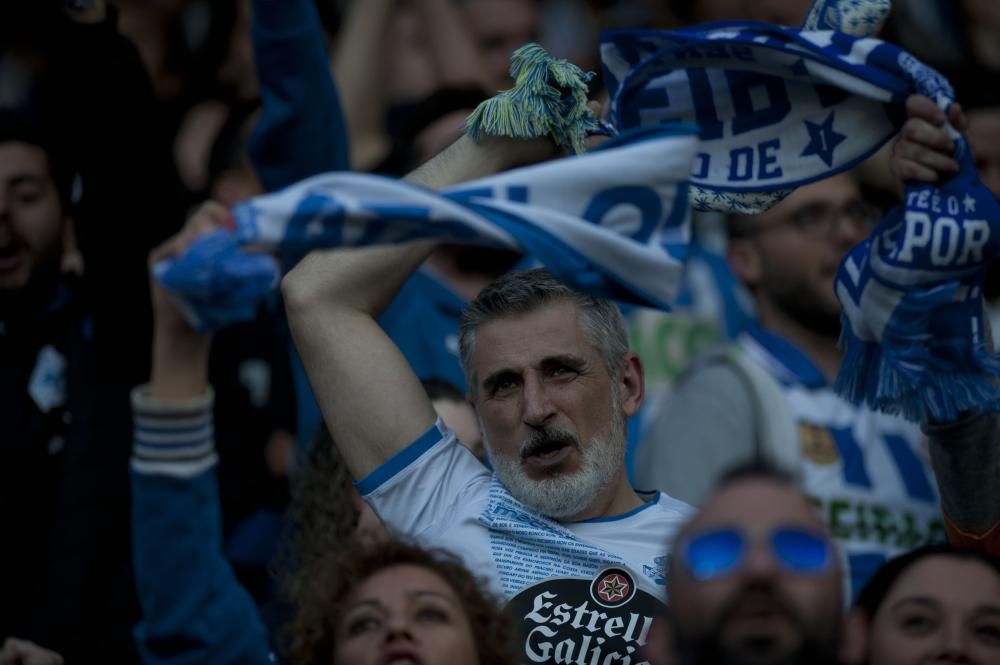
(617, 499)
(820, 348)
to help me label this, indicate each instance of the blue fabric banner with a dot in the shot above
(613, 223)
(776, 107)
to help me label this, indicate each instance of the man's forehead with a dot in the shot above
(547, 328)
(835, 189)
(551, 333)
(20, 158)
(757, 502)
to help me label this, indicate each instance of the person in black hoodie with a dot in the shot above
(85, 191)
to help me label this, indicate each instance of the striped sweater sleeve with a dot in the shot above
(172, 438)
(194, 610)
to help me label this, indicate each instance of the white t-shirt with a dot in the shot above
(581, 590)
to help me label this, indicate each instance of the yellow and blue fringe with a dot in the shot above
(549, 98)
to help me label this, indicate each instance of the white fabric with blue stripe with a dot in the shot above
(613, 222)
(868, 472)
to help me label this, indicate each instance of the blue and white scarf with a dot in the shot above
(613, 223)
(777, 107)
(914, 336)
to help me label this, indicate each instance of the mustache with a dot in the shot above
(768, 599)
(545, 439)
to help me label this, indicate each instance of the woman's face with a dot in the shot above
(404, 614)
(941, 610)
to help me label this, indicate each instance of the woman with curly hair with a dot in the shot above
(935, 604)
(396, 602)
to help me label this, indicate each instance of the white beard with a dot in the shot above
(567, 494)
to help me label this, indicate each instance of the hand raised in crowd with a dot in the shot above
(924, 149)
(180, 353)
(23, 652)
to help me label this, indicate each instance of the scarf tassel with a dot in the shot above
(921, 369)
(549, 98)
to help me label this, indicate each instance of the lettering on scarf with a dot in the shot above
(936, 228)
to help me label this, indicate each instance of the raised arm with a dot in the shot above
(193, 608)
(301, 130)
(964, 454)
(357, 66)
(371, 400)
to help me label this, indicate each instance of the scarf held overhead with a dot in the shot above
(777, 107)
(613, 223)
(914, 334)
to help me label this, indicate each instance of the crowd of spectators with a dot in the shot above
(428, 452)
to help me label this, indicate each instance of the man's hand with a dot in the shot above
(180, 353)
(924, 149)
(23, 652)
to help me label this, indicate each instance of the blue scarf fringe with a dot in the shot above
(549, 98)
(916, 372)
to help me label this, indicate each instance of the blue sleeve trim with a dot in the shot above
(402, 459)
(614, 518)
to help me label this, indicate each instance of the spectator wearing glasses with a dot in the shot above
(769, 395)
(754, 579)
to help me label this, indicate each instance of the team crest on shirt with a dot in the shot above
(817, 444)
(612, 587)
(603, 619)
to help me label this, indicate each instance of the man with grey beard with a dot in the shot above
(556, 528)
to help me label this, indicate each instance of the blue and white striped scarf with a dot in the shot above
(777, 107)
(613, 223)
(914, 335)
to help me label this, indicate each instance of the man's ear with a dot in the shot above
(854, 641)
(633, 385)
(745, 260)
(72, 259)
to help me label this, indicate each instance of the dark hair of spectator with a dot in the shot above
(757, 469)
(881, 583)
(229, 148)
(322, 515)
(420, 116)
(17, 126)
(312, 632)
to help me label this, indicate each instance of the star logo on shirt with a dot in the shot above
(613, 588)
(823, 140)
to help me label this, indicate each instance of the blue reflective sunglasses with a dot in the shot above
(712, 554)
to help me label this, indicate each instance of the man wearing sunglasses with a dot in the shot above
(754, 579)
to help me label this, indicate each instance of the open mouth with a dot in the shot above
(10, 256)
(548, 451)
(402, 659)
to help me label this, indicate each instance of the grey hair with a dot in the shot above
(523, 292)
